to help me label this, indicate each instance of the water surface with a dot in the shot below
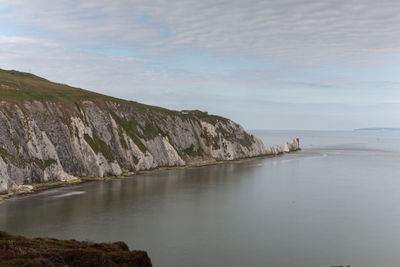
(336, 202)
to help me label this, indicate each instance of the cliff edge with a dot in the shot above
(53, 132)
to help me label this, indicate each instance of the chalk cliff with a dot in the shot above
(51, 131)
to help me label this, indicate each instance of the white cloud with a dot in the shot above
(63, 41)
(7, 40)
(298, 32)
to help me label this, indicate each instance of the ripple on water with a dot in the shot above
(73, 193)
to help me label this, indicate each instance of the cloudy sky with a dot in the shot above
(265, 64)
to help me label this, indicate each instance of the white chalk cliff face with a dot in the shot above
(42, 141)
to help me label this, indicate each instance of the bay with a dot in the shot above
(336, 202)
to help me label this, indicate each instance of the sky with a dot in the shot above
(284, 64)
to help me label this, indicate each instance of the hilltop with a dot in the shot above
(17, 87)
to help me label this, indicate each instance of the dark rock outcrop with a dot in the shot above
(22, 251)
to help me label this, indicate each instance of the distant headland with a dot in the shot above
(377, 129)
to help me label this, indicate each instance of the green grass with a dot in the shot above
(43, 164)
(131, 129)
(18, 87)
(213, 119)
(99, 145)
(155, 108)
(210, 140)
(151, 131)
(122, 139)
(7, 157)
(191, 151)
(4, 154)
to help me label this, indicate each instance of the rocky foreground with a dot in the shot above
(21, 251)
(54, 132)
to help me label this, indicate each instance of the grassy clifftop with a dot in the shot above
(18, 87)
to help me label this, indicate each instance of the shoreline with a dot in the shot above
(40, 187)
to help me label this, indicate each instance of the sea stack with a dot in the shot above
(291, 147)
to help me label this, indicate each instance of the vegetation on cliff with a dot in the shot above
(16, 86)
(51, 131)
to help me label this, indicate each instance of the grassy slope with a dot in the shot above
(22, 251)
(18, 86)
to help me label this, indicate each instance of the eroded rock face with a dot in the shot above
(278, 150)
(291, 147)
(294, 145)
(45, 141)
(286, 148)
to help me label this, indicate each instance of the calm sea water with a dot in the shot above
(336, 202)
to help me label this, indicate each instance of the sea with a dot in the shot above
(334, 203)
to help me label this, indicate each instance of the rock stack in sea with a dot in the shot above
(277, 150)
(290, 147)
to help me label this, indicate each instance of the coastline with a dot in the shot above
(40, 187)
